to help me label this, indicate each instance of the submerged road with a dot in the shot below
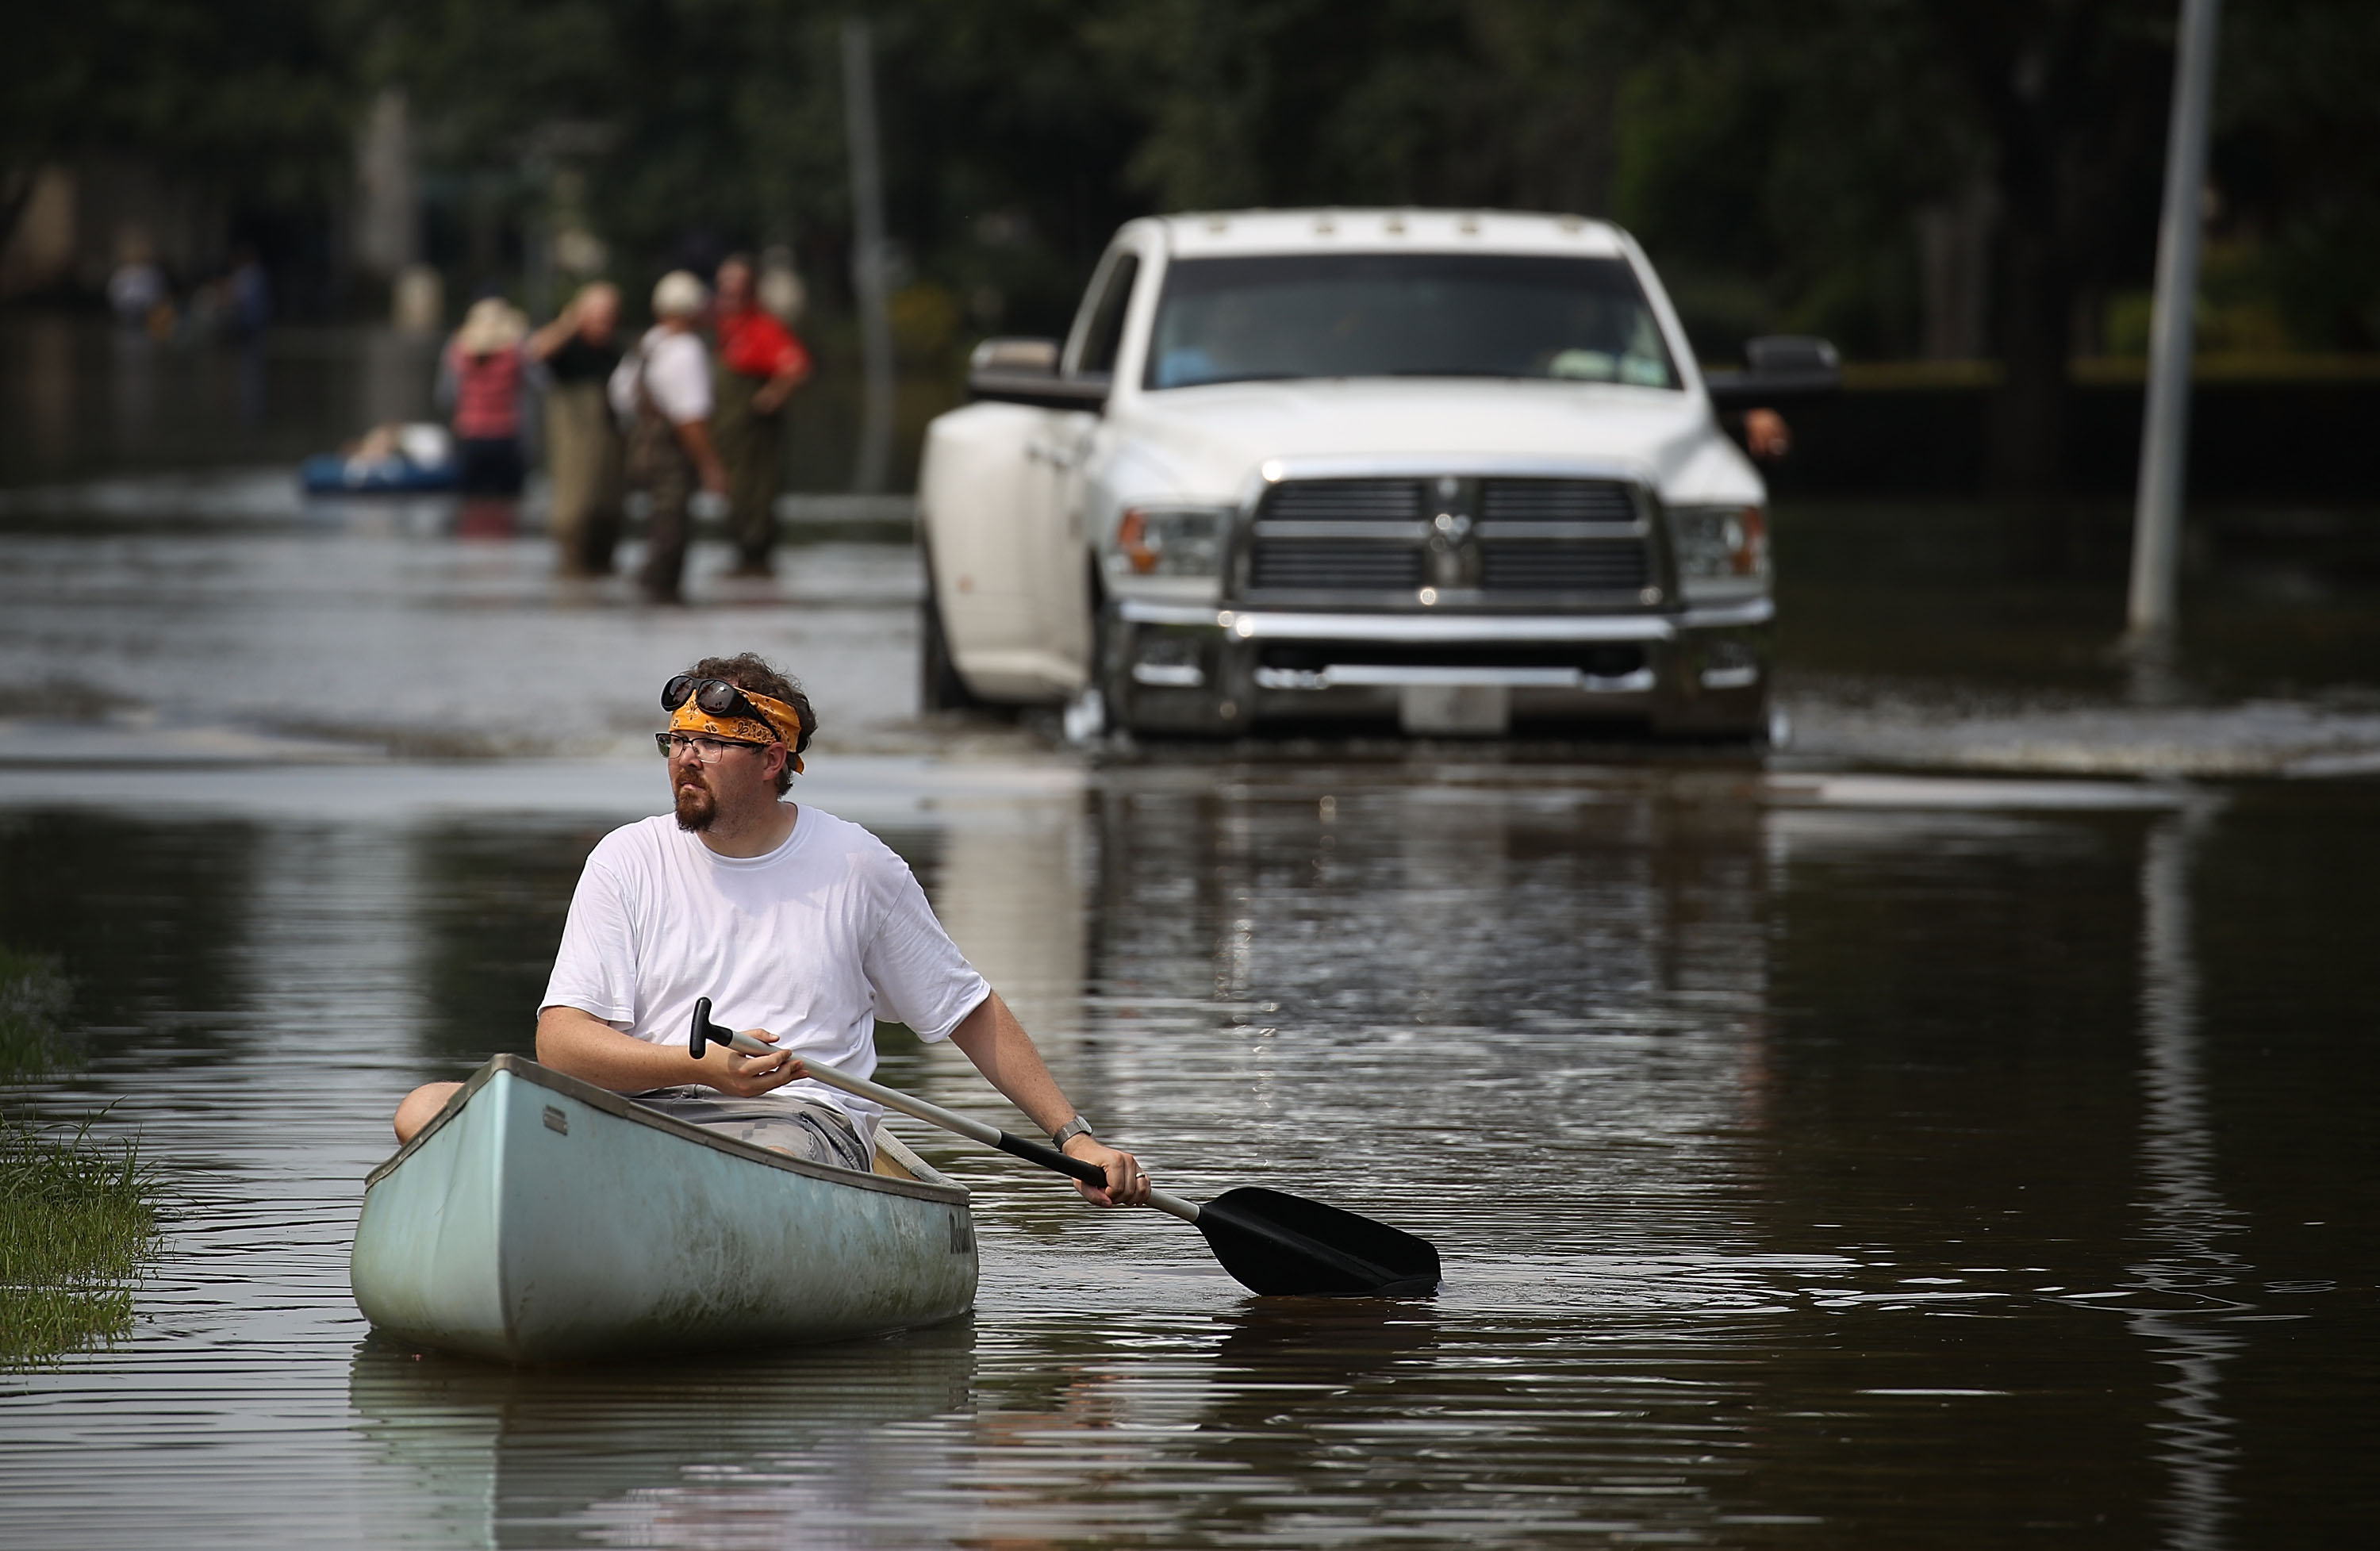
(1821, 1156)
(222, 618)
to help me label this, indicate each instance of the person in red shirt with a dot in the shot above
(479, 380)
(759, 365)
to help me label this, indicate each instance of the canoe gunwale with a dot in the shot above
(611, 1103)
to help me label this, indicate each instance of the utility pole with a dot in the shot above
(2164, 430)
(868, 257)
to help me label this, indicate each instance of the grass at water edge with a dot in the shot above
(77, 1216)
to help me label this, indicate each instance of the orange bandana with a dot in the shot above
(692, 718)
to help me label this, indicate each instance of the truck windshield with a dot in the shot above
(1405, 315)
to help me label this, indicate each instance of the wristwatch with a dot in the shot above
(1072, 1129)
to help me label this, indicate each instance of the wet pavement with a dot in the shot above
(1879, 1143)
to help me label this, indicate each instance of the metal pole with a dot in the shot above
(2164, 430)
(867, 258)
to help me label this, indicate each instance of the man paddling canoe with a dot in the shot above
(800, 927)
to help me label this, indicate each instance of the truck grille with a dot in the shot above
(1555, 501)
(1333, 565)
(1589, 565)
(1509, 537)
(1346, 500)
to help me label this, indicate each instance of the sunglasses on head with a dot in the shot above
(715, 696)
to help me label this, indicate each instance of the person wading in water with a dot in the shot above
(761, 363)
(663, 385)
(581, 349)
(802, 927)
(479, 376)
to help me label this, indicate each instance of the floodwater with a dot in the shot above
(1884, 1143)
(1808, 1172)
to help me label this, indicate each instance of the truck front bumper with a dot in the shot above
(1189, 668)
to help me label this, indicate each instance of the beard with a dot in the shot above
(695, 807)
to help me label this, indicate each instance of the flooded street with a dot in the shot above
(1899, 1139)
(1804, 1173)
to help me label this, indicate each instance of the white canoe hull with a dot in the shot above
(539, 1220)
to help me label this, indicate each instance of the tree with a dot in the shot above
(2070, 98)
(2297, 139)
(248, 96)
(1773, 158)
(1350, 102)
(1795, 149)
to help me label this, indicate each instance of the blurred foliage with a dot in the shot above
(250, 96)
(2295, 160)
(1345, 101)
(705, 124)
(1775, 160)
(1829, 129)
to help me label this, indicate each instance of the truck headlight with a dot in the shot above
(1714, 541)
(1169, 540)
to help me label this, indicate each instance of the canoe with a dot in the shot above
(330, 474)
(538, 1218)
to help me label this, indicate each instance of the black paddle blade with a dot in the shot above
(1287, 1245)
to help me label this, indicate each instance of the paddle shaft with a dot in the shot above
(1269, 1242)
(974, 1130)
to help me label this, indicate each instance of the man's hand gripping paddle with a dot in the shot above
(1273, 1242)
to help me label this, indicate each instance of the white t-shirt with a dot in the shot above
(677, 376)
(814, 942)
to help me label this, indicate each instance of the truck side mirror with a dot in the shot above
(1026, 371)
(1778, 368)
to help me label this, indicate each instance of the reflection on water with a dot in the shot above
(659, 1456)
(1806, 1175)
(2193, 1281)
(150, 921)
(84, 399)
(483, 933)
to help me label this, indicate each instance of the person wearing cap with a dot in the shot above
(480, 378)
(580, 350)
(802, 928)
(761, 363)
(662, 388)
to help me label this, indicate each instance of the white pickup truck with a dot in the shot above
(1454, 471)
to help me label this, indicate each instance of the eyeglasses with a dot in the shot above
(706, 750)
(715, 696)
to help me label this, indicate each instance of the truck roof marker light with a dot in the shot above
(1572, 223)
(1324, 225)
(1395, 224)
(1468, 225)
(1217, 224)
